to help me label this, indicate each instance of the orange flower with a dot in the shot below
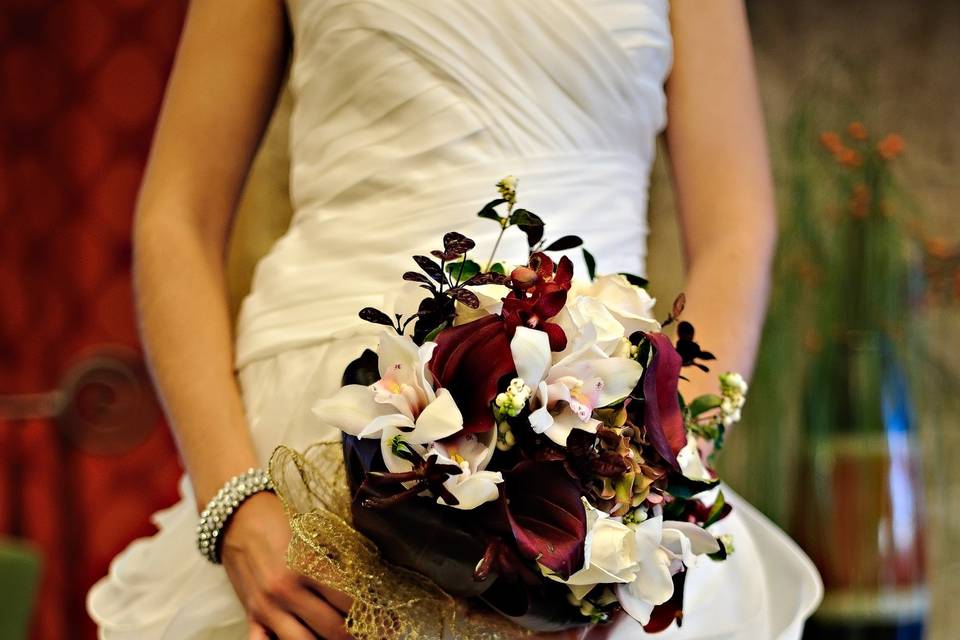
(812, 341)
(938, 248)
(890, 146)
(857, 131)
(848, 157)
(831, 141)
(860, 202)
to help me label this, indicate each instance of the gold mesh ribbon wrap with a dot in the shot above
(388, 602)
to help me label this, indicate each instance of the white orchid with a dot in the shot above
(471, 452)
(403, 398)
(567, 392)
(639, 558)
(691, 461)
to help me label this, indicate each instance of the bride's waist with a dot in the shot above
(340, 256)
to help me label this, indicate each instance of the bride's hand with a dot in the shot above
(596, 632)
(279, 602)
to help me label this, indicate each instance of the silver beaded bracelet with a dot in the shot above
(218, 511)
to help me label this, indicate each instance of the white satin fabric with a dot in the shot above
(406, 114)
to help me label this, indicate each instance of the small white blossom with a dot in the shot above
(726, 541)
(505, 437)
(512, 401)
(508, 189)
(733, 393)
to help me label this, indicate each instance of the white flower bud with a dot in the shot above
(508, 189)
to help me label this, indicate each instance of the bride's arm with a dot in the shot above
(721, 173)
(224, 84)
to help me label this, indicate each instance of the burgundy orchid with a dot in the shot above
(539, 293)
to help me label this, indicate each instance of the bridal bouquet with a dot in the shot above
(518, 438)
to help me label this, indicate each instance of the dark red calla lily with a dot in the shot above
(469, 361)
(662, 417)
(547, 517)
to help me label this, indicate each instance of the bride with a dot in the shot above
(406, 114)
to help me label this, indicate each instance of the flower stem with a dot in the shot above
(504, 223)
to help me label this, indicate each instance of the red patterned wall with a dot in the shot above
(80, 86)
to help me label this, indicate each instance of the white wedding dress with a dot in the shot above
(406, 114)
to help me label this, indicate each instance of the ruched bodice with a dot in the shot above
(406, 112)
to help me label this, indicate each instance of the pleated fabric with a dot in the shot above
(406, 114)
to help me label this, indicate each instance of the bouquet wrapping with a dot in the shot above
(517, 442)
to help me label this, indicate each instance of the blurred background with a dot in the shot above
(851, 432)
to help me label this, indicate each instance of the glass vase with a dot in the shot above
(859, 513)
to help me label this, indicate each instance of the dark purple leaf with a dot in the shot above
(662, 416)
(678, 305)
(375, 316)
(413, 276)
(457, 244)
(487, 278)
(546, 515)
(431, 268)
(565, 242)
(466, 297)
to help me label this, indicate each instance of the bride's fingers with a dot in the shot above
(284, 626)
(341, 601)
(317, 614)
(257, 632)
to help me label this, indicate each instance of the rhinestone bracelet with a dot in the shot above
(214, 517)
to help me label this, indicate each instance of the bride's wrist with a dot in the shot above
(216, 516)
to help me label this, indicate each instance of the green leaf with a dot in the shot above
(564, 242)
(489, 210)
(430, 337)
(591, 264)
(497, 267)
(704, 403)
(530, 223)
(720, 555)
(636, 281)
(716, 511)
(681, 486)
(462, 270)
(524, 217)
